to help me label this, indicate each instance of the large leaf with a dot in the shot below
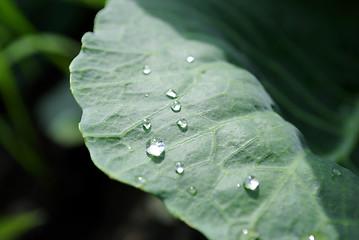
(232, 130)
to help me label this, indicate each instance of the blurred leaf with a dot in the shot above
(233, 132)
(58, 115)
(12, 227)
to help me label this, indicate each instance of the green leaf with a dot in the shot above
(232, 133)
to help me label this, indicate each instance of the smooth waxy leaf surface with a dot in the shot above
(232, 132)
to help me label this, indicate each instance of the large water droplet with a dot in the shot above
(155, 147)
(182, 124)
(176, 106)
(179, 168)
(147, 125)
(171, 93)
(190, 59)
(336, 172)
(192, 190)
(251, 183)
(146, 70)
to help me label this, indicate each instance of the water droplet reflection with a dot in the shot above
(182, 124)
(251, 183)
(146, 70)
(176, 106)
(179, 168)
(192, 190)
(171, 93)
(190, 59)
(147, 125)
(155, 147)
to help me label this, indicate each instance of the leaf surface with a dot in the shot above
(232, 132)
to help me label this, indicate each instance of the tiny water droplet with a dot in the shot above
(336, 172)
(147, 125)
(251, 183)
(176, 106)
(182, 124)
(248, 234)
(238, 185)
(171, 93)
(190, 59)
(192, 190)
(179, 168)
(141, 179)
(146, 70)
(129, 148)
(155, 147)
(146, 95)
(311, 237)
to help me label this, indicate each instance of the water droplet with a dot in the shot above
(248, 234)
(147, 125)
(141, 179)
(182, 124)
(176, 106)
(171, 93)
(146, 95)
(155, 147)
(238, 185)
(251, 183)
(146, 70)
(129, 148)
(311, 237)
(190, 59)
(192, 190)
(179, 168)
(336, 172)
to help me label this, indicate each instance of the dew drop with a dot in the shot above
(179, 168)
(146, 95)
(141, 179)
(176, 106)
(155, 147)
(192, 190)
(238, 185)
(129, 148)
(171, 93)
(147, 125)
(251, 183)
(311, 237)
(182, 124)
(336, 172)
(190, 59)
(146, 70)
(248, 234)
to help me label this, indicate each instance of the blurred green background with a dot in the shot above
(305, 53)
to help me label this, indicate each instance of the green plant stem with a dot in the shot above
(20, 151)
(13, 18)
(51, 45)
(21, 122)
(12, 227)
